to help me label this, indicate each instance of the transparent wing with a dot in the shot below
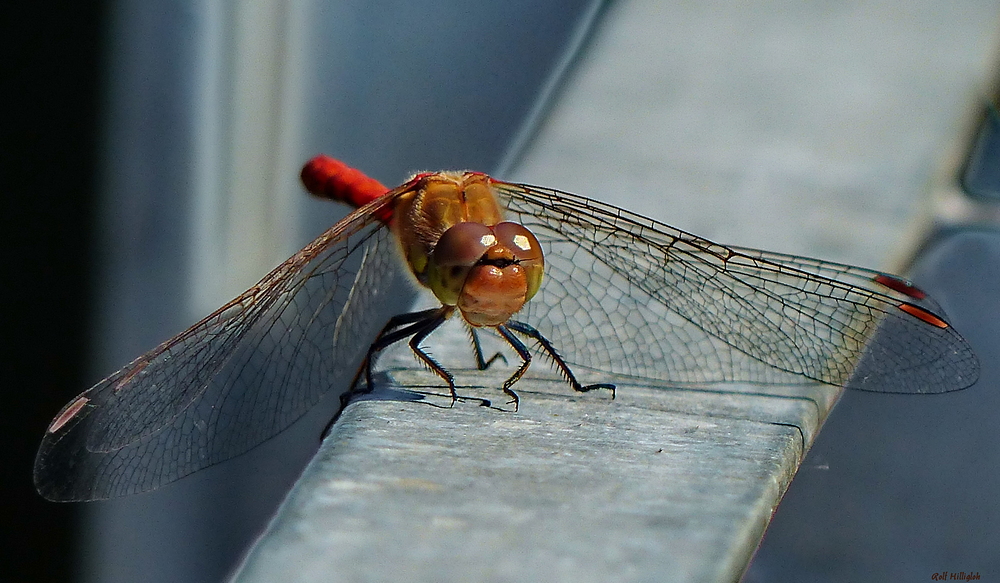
(627, 294)
(233, 380)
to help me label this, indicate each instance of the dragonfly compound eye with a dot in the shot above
(454, 255)
(527, 251)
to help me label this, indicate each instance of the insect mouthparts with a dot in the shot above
(500, 262)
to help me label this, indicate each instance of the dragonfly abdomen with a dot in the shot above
(326, 177)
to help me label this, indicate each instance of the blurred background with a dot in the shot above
(151, 159)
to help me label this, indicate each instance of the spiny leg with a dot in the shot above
(418, 325)
(531, 332)
(419, 336)
(481, 362)
(525, 355)
(387, 336)
(390, 334)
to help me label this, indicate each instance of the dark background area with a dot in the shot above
(52, 102)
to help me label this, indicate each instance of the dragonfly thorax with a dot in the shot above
(451, 230)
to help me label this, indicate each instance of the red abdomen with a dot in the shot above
(328, 178)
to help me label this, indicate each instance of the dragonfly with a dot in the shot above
(595, 288)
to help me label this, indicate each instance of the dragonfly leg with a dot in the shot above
(418, 325)
(390, 334)
(525, 355)
(531, 332)
(477, 347)
(393, 332)
(425, 328)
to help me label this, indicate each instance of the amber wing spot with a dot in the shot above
(68, 413)
(901, 285)
(923, 315)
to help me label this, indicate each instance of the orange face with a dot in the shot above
(452, 233)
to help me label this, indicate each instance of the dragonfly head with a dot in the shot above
(488, 272)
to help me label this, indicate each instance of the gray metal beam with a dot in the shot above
(657, 484)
